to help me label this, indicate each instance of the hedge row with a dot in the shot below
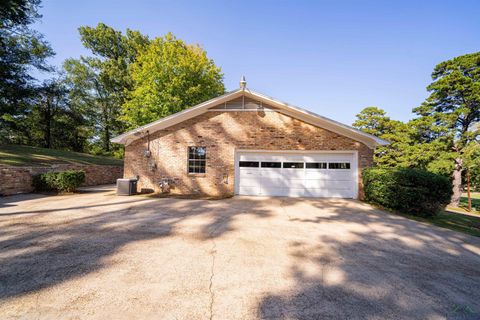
(413, 191)
(64, 181)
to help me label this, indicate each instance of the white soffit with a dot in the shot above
(283, 107)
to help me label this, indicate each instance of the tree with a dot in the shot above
(471, 163)
(400, 152)
(98, 84)
(167, 77)
(373, 120)
(454, 108)
(51, 121)
(52, 101)
(21, 49)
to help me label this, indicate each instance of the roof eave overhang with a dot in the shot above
(320, 121)
(175, 118)
(285, 108)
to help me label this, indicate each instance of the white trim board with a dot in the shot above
(285, 108)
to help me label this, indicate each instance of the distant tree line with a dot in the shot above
(128, 80)
(443, 137)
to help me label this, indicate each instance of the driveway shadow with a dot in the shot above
(379, 266)
(39, 253)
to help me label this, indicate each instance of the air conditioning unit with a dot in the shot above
(126, 187)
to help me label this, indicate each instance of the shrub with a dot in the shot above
(413, 191)
(64, 181)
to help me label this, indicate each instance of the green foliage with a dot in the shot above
(403, 150)
(373, 120)
(443, 137)
(97, 84)
(21, 49)
(55, 123)
(471, 155)
(64, 181)
(453, 110)
(454, 101)
(81, 109)
(412, 191)
(167, 77)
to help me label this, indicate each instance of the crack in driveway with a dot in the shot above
(212, 274)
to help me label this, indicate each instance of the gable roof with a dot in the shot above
(282, 107)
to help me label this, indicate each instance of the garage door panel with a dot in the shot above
(282, 183)
(322, 174)
(274, 191)
(244, 190)
(293, 173)
(317, 193)
(288, 175)
(295, 192)
(251, 181)
(337, 175)
(244, 172)
(274, 182)
(296, 183)
(339, 194)
(327, 184)
(271, 173)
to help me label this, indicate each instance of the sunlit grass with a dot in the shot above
(13, 155)
(466, 223)
(475, 198)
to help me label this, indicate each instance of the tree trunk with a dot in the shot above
(107, 139)
(469, 204)
(48, 125)
(106, 128)
(457, 183)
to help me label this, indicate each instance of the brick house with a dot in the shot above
(246, 143)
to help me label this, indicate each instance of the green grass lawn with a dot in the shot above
(462, 222)
(469, 224)
(475, 196)
(14, 155)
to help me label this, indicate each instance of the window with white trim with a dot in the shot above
(197, 159)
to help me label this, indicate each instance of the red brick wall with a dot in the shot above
(15, 180)
(222, 133)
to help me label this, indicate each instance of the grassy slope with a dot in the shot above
(469, 224)
(466, 223)
(475, 197)
(31, 156)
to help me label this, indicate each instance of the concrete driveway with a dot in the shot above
(99, 256)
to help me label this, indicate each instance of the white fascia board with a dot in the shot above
(293, 111)
(320, 121)
(175, 118)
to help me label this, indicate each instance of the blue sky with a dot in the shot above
(331, 57)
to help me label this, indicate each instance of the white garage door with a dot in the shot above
(296, 175)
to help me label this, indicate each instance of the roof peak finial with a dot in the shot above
(243, 83)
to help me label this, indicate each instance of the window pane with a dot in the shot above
(339, 165)
(249, 164)
(293, 165)
(196, 159)
(316, 165)
(197, 152)
(200, 152)
(271, 164)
